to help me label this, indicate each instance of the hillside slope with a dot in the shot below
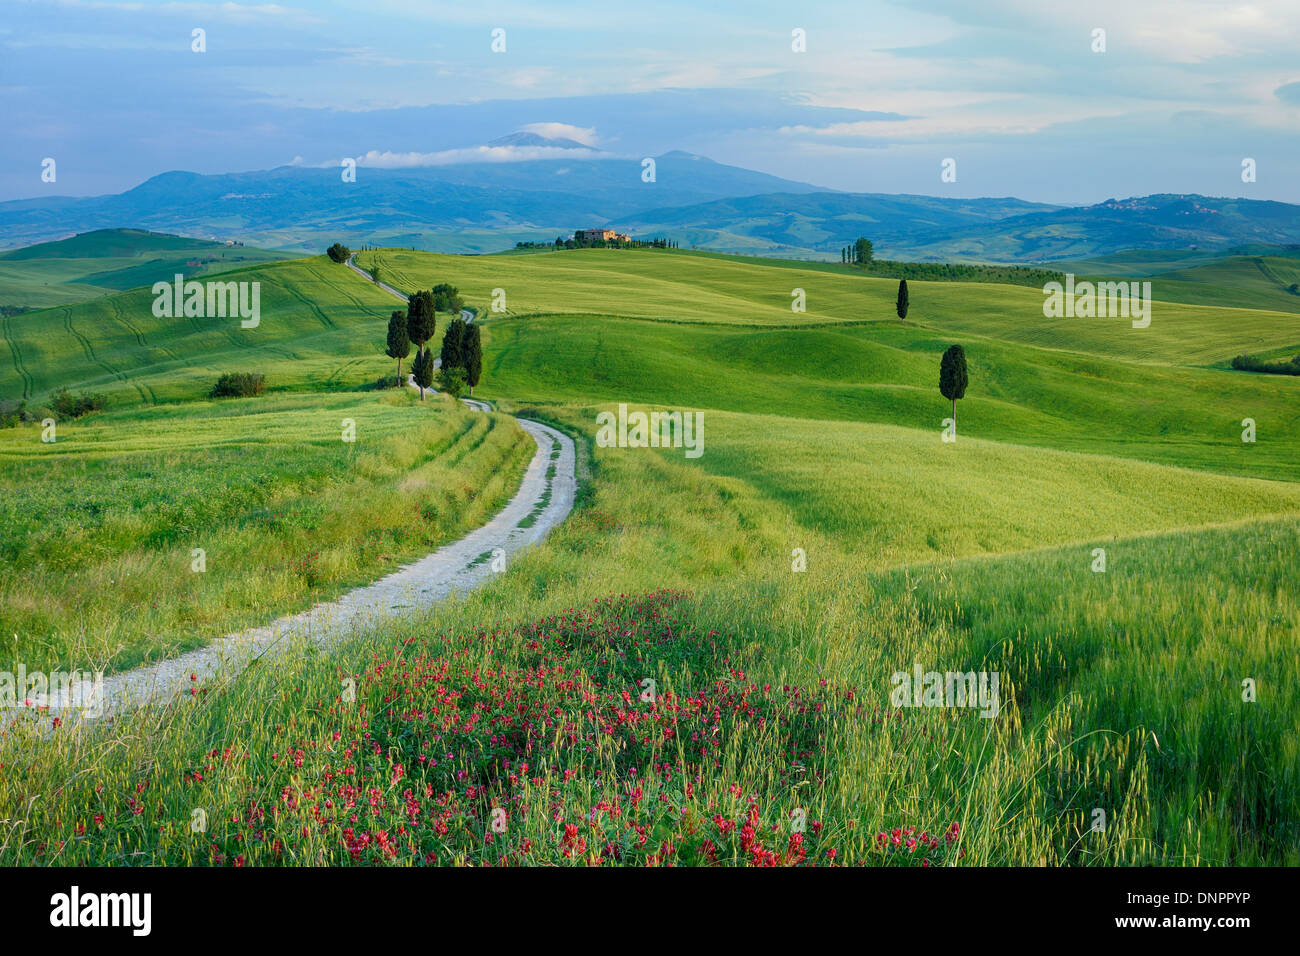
(111, 260)
(320, 325)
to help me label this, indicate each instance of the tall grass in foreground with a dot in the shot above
(98, 530)
(1121, 691)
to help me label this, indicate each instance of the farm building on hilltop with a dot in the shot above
(601, 235)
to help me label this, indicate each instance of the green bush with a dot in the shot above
(1249, 363)
(239, 385)
(961, 272)
(11, 412)
(339, 252)
(388, 381)
(452, 381)
(67, 405)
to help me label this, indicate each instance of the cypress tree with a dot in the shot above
(453, 344)
(421, 320)
(422, 369)
(399, 343)
(473, 350)
(952, 376)
(902, 299)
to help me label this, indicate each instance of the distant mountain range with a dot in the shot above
(453, 205)
(471, 206)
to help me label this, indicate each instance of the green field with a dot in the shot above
(1251, 280)
(718, 290)
(317, 329)
(112, 260)
(99, 526)
(1121, 688)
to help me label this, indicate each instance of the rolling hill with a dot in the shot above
(665, 327)
(317, 327)
(1121, 685)
(689, 288)
(1262, 277)
(111, 260)
(929, 229)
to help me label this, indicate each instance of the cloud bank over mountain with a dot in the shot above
(882, 93)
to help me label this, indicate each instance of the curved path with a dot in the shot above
(465, 314)
(544, 499)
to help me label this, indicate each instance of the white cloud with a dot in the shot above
(579, 134)
(226, 11)
(475, 154)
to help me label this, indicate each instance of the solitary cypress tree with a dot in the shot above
(453, 344)
(902, 299)
(952, 376)
(399, 343)
(421, 320)
(473, 351)
(422, 369)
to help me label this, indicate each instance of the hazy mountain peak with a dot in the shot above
(527, 138)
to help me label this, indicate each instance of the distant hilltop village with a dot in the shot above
(587, 238)
(601, 235)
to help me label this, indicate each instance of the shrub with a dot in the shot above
(1250, 363)
(388, 381)
(447, 298)
(239, 385)
(339, 252)
(452, 381)
(67, 405)
(11, 412)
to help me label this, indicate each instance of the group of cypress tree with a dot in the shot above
(462, 357)
(858, 254)
(461, 346)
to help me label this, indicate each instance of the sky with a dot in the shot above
(1025, 96)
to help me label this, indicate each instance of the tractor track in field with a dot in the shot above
(29, 384)
(120, 315)
(90, 354)
(324, 319)
(544, 498)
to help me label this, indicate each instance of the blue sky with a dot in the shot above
(884, 92)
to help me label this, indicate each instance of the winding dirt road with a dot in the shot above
(544, 499)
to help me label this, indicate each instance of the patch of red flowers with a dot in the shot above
(610, 735)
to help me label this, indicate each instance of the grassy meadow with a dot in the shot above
(773, 698)
(696, 667)
(688, 288)
(317, 330)
(1253, 280)
(888, 374)
(99, 527)
(93, 264)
